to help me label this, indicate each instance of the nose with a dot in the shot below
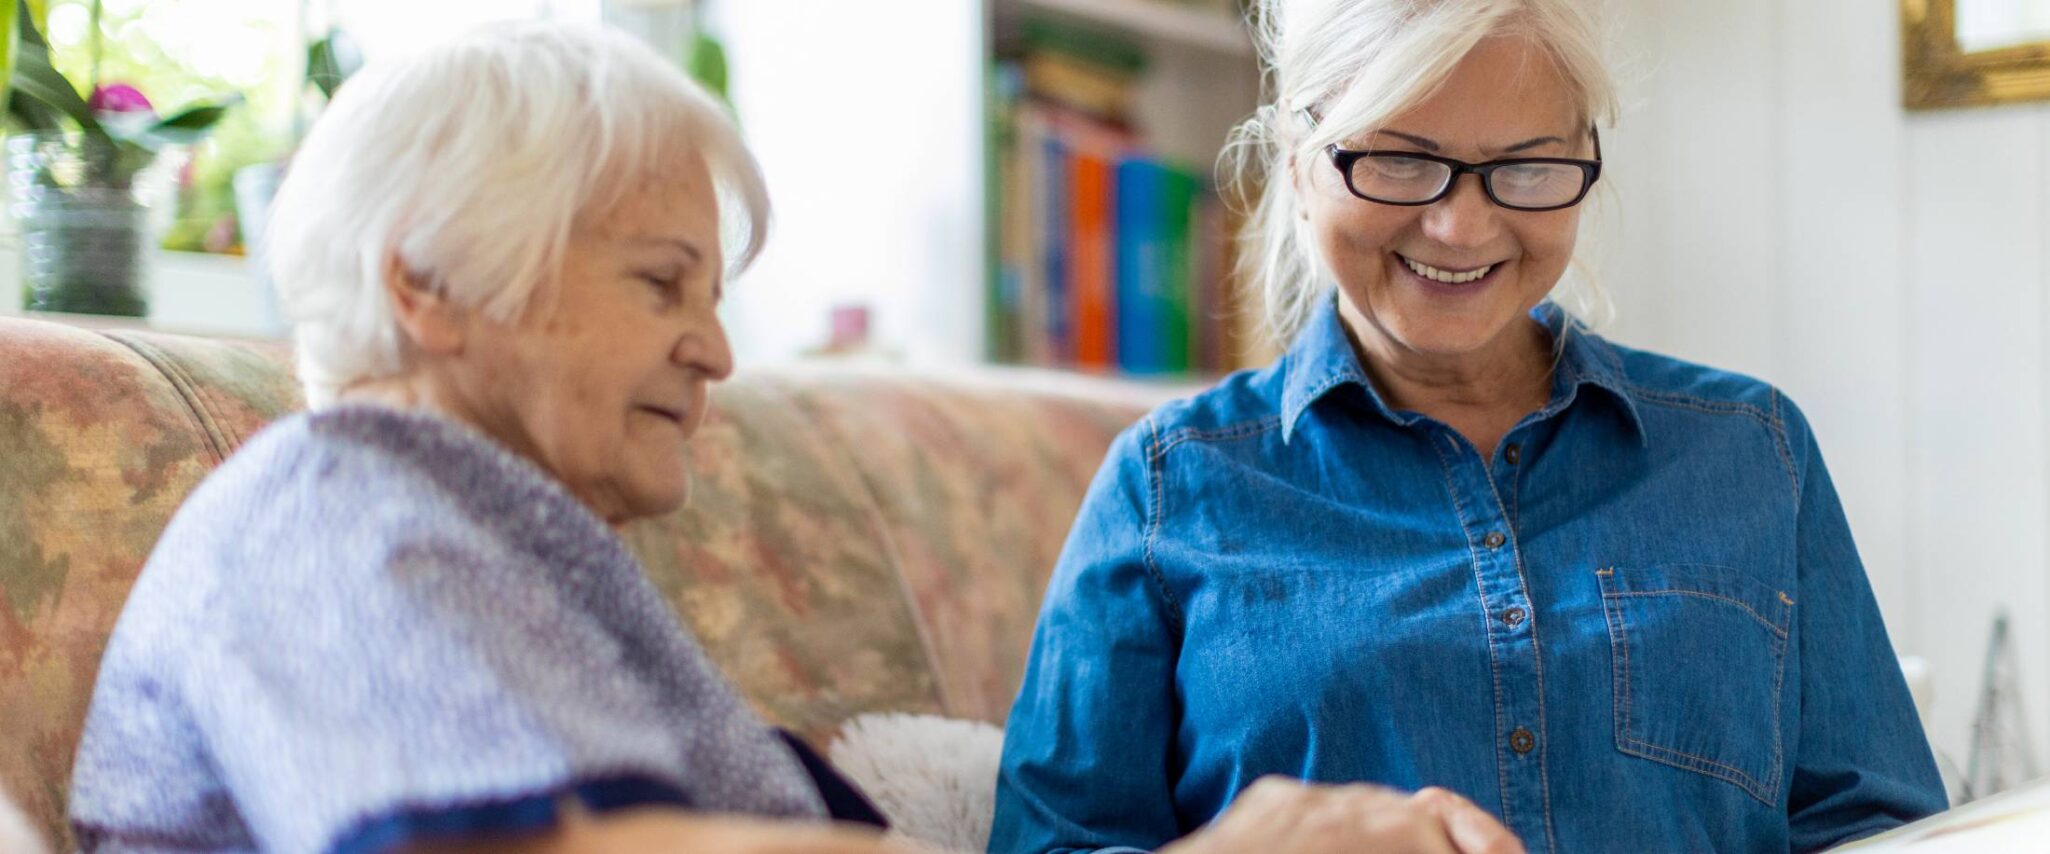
(705, 349)
(1464, 219)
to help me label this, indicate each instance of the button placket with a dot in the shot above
(1481, 488)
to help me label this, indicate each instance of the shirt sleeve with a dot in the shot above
(1863, 764)
(1086, 752)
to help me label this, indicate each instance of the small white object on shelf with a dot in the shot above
(1158, 19)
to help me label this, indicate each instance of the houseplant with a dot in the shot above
(76, 166)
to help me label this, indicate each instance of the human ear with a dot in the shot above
(433, 325)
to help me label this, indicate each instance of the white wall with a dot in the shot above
(867, 118)
(1781, 214)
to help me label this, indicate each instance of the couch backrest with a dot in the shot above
(856, 540)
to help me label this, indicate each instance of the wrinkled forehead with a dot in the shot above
(1507, 90)
(672, 190)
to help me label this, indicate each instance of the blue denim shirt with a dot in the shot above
(1640, 625)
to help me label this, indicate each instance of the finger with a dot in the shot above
(1272, 786)
(1472, 829)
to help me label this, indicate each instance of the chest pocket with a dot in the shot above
(1699, 654)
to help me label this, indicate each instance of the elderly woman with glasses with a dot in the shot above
(1453, 538)
(404, 620)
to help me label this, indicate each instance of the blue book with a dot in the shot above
(1142, 274)
(1054, 208)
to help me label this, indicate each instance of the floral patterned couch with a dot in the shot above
(858, 540)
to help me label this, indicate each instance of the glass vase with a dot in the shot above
(81, 204)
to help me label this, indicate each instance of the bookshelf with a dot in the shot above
(1107, 245)
(1167, 22)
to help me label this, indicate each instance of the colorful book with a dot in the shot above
(1155, 266)
(1141, 265)
(1058, 347)
(1003, 206)
(1179, 192)
(1091, 276)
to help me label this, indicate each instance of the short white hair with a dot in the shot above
(472, 162)
(1357, 64)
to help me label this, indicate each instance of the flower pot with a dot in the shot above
(86, 233)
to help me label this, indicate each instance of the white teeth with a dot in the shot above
(1436, 275)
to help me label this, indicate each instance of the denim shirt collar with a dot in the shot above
(1322, 359)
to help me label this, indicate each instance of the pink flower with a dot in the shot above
(119, 98)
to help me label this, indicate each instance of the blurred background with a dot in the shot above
(1848, 199)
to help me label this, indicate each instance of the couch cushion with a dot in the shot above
(778, 564)
(977, 478)
(97, 447)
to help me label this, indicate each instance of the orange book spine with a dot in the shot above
(1090, 242)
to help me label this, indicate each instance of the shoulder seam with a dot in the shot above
(1768, 418)
(1786, 448)
(1160, 445)
(1154, 488)
(1700, 404)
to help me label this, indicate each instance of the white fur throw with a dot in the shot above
(935, 778)
(16, 836)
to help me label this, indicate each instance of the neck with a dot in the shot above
(1481, 393)
(405, 391)
(422, 391)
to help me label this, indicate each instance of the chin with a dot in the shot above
(1424, 330)
(1447, 330)
(656, 488)
(660, 499)
(1445, 339)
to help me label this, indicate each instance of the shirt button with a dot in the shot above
(1494, 540)
(1522, 741)
(1513, 453)
(1513, 616)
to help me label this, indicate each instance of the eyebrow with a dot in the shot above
(697, 256)
(1428, 145)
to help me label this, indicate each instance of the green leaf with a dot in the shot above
(10, 35)
(187, 127)
(36, 78)
(707, 63)
(31, 21)
(30, 114)
(330, 61)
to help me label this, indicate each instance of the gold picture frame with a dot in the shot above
(1937, 72)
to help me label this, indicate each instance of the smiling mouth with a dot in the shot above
(673, 415)
(1442, 276)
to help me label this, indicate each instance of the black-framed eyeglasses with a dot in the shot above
(1412, 178)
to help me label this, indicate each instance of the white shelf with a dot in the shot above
(190, 293)
(1157, 19)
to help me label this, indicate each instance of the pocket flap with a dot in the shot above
(1771, 607)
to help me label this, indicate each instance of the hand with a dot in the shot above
(1277, 814)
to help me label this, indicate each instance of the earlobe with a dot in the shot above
(432, 324)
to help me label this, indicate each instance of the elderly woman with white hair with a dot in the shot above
(404, 619)
(1452, 537)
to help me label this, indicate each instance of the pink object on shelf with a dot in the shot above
(849, 328)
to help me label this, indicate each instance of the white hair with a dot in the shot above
(471, 163)
(1358, 63)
